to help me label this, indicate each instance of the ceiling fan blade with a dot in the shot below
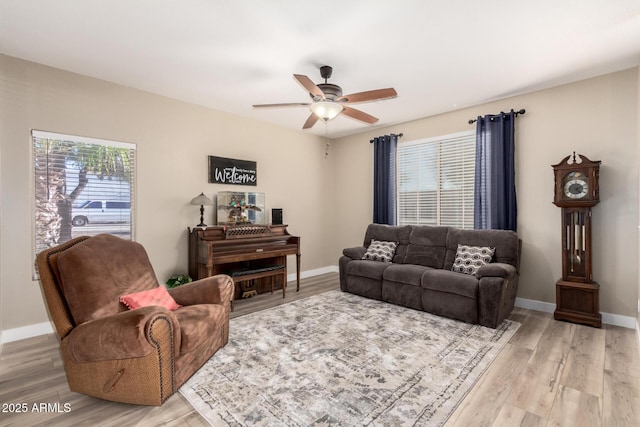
(370, 95)
(359, 115)
(288, 104)
(310, 121)
(309, 85)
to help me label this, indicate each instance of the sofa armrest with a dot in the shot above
(496, 295)
(216, 289)
(125, 335)
(355, 253)
(496, 269)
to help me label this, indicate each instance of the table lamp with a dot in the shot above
(202, 200)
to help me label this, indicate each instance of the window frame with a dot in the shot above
(36, 137)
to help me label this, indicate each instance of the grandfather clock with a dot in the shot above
(576, 192)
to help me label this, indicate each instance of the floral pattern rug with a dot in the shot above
(340, 359)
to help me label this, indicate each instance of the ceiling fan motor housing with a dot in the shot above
(331, 91)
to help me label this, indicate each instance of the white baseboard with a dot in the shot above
(310, 273)
(16, 334)
(618, 320)
(531, 304)
(607, 318)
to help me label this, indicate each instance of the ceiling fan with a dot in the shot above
(328, 101)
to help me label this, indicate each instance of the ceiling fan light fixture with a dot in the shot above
(327, 100)
(326, 110)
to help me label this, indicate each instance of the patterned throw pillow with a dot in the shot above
(470, 258)
(380, 251)
(156, 296)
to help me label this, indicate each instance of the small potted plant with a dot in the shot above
(178, 279)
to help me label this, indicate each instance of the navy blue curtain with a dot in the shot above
(495, 186)
(384, 179)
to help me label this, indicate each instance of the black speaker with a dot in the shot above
(276, 216)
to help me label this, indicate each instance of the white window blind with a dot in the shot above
(82, 186)
(436, 180)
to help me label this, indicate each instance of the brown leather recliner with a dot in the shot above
(139, 356)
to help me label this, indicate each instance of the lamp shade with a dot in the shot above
(326, 110)
(202, 200)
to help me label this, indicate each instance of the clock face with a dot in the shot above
(576, 185)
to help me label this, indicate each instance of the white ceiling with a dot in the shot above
(228, 55)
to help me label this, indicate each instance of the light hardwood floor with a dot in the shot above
(550, 374)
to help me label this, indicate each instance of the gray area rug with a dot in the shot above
(340, 359)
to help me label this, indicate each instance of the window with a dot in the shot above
(82, 186)
(436, 179)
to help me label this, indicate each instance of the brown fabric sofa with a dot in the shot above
(139, 356)
(420, 275)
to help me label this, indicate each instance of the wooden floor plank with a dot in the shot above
(532, 326)
(555, 343)
(536, 394)
(620, 399)
(573, 408)
(585, 360)
(536, 389)
(511, 416)
(551, 373)
(622, 353)
(485, 400)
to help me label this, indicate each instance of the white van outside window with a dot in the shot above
(101, 212)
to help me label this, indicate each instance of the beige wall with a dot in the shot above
(595, 117)
(173, 140)
(327, 201)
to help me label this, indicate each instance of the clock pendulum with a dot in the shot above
(576, 192)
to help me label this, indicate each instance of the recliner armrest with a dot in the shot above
(124, 335)
(216, 289)
(496, 269)
(355, 253)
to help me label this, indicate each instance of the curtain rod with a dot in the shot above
(521, 111)
(398, 135)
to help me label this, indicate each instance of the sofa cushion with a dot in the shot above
(451, 282)
(427, 246)
(405, 273)
(197, 322)
(366, 268)
(469, 259)
(380, 251)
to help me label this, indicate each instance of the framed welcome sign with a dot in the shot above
(232, 171)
